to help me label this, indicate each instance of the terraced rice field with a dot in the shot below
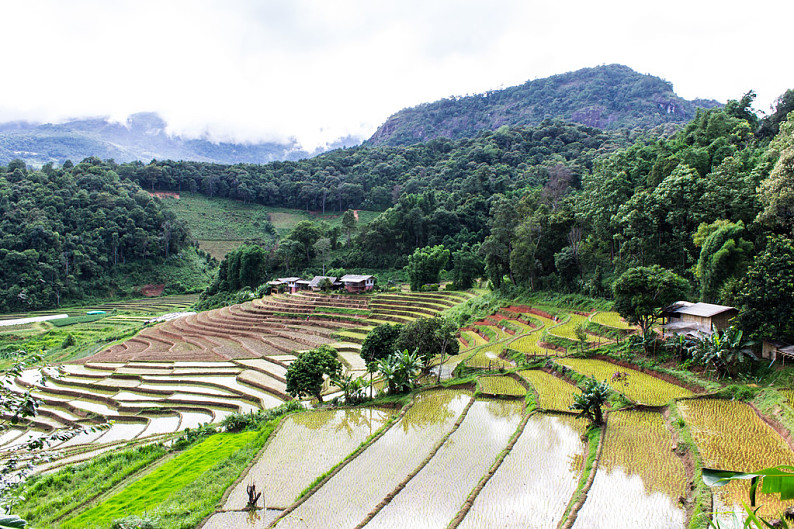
(553, 392)
(154, 488)
(202, 367)
(610, 319)
(455, 469)
(637, 468)
(501, 385)
(488, 358)
(306, 446)
(534, 484)
(344, 501)
(567, 330)
(639, 387)
(730, 436)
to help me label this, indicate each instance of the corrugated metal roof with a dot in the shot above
(704, 310)
(351, 278)
(315, 282)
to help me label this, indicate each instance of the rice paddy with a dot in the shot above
(344, 500)
(455, 469)
(488, 358)
(305, 446)
(534, 483)
(730, 436)
(501, 385)
(553, 392)
(639, 387)
(639, 468)
(151, 490)
(610, 319)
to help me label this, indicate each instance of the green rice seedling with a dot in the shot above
(148, 492)
(501, 385)
(455, 469)
(346, 498)
(306, 446)
(637, 386)
(51, 496)
(730, 436)
(533, 485)
(553, 392)
(637, 468)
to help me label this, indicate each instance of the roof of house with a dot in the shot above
(303, 282)
(705, 310)
(351, 278)
(317, 280)
(288, 279)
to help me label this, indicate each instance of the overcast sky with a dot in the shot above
(317, 70)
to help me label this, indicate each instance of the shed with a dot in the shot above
(358, 283)
(317, 281)
(684, 317)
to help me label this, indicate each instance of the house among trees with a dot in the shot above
(319, 282)
(696, 319)
(356, 283)
(288, 284)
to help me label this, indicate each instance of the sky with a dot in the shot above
(319, 70)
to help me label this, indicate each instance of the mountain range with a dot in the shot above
(605, 97)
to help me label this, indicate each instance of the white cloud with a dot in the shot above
(317, 70)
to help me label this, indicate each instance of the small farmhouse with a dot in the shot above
(694, 319)
(357, 283)
(316, 284)
(773, 350)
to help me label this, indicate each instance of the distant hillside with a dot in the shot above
(143, 138)
(606, 97)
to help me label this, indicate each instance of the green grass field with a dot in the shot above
(49, 497)
(222, 224)
(165, 483)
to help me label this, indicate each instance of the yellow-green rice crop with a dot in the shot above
(455, 469)
(307, 445)
(638, 386)
(488, 357)
(568, 329)
(501, 385)
(554, 393)
(346, 498)
(534, 483)
(610, 319)
(731, 436)
(638, 468)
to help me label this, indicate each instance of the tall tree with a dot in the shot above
(641, 292)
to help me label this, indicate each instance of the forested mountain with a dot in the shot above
(143, 137)
(606, 97)
(64, 232)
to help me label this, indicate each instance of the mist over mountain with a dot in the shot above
(605, 97)
(143, 137)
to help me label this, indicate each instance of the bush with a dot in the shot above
(136, 522)
(237, 422)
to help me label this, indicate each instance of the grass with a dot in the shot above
(223, 224)
(185, 487)
(63, 322)
(52, 496)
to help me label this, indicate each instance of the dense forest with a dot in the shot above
(63, 231)
(555, 206)
(608, 97)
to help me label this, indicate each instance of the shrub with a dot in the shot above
(136, 522)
